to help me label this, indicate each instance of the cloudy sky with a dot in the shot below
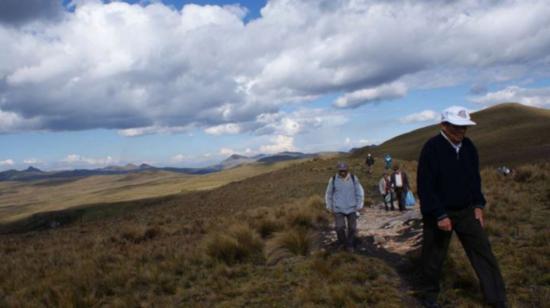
(90, 83)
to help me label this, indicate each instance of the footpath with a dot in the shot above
(394, 231)
(394, 237)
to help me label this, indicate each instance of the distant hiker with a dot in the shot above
(449, 187)
(400, 184)
(388, 161)
(344, 197)
(384, 187)
(369, 162)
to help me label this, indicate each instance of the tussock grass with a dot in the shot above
(239, 244)
(349, 280)
(287, 231)
(297, 241)
(138, 234)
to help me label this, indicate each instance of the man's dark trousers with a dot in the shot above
(400, 195)
(477, 247)
(347, 240)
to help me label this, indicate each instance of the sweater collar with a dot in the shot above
(455, 146)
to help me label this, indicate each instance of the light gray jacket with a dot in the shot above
(343, 196)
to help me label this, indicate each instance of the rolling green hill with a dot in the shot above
(508, 134)
(19, 200)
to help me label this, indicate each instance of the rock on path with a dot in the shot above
(394, 231)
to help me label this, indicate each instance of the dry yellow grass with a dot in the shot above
(152, 256)
(22, 199)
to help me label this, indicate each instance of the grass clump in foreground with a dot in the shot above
(239, 244)
(349, 280)
(276, 233)
(294, 271)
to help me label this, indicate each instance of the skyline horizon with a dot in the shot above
(220, 158)
(86, 84)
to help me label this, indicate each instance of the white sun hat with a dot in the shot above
(457, 115)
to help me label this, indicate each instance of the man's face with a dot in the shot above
(455, 133)
(342, 173)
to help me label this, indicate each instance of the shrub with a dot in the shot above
(522, 175)
(309, 214)
(292, 242)
(138, 234)
(266, 226)
(239, 244)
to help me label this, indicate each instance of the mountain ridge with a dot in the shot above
(507, 133)
(235, 160)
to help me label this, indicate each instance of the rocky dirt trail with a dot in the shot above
(393, 231)
(394, 237)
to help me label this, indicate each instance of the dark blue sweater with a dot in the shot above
(447, 180)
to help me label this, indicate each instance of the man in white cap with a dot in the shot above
(344, 197)
(449, 188)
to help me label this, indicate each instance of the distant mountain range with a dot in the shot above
(235, 160)
(507, 134)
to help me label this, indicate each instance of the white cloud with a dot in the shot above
(145, 69)
(12, 122)
(178, 158)
(300, 121)
(222, 129)
(422, 116)
(7, 162)
(279, 143)
(537, 97)
(32, 161)
(352, 143)
(75, 159)
(376, 94)
(141, 131)
(226, 152)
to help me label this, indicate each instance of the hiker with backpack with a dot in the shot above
(384, 187)
(388, 161)
(400, 184)
(344, 197)
(369, 162)
(451, 199)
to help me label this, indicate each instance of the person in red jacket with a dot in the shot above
(449, 188)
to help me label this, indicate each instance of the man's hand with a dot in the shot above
(445, 224)
(479, 215)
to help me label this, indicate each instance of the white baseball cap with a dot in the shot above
(457, 115)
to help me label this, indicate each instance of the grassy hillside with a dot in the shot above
(252, 242)
(256, 242)
(22, 199)
(508, 134)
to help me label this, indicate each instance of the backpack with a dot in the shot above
(334, 185)
(334, 179)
